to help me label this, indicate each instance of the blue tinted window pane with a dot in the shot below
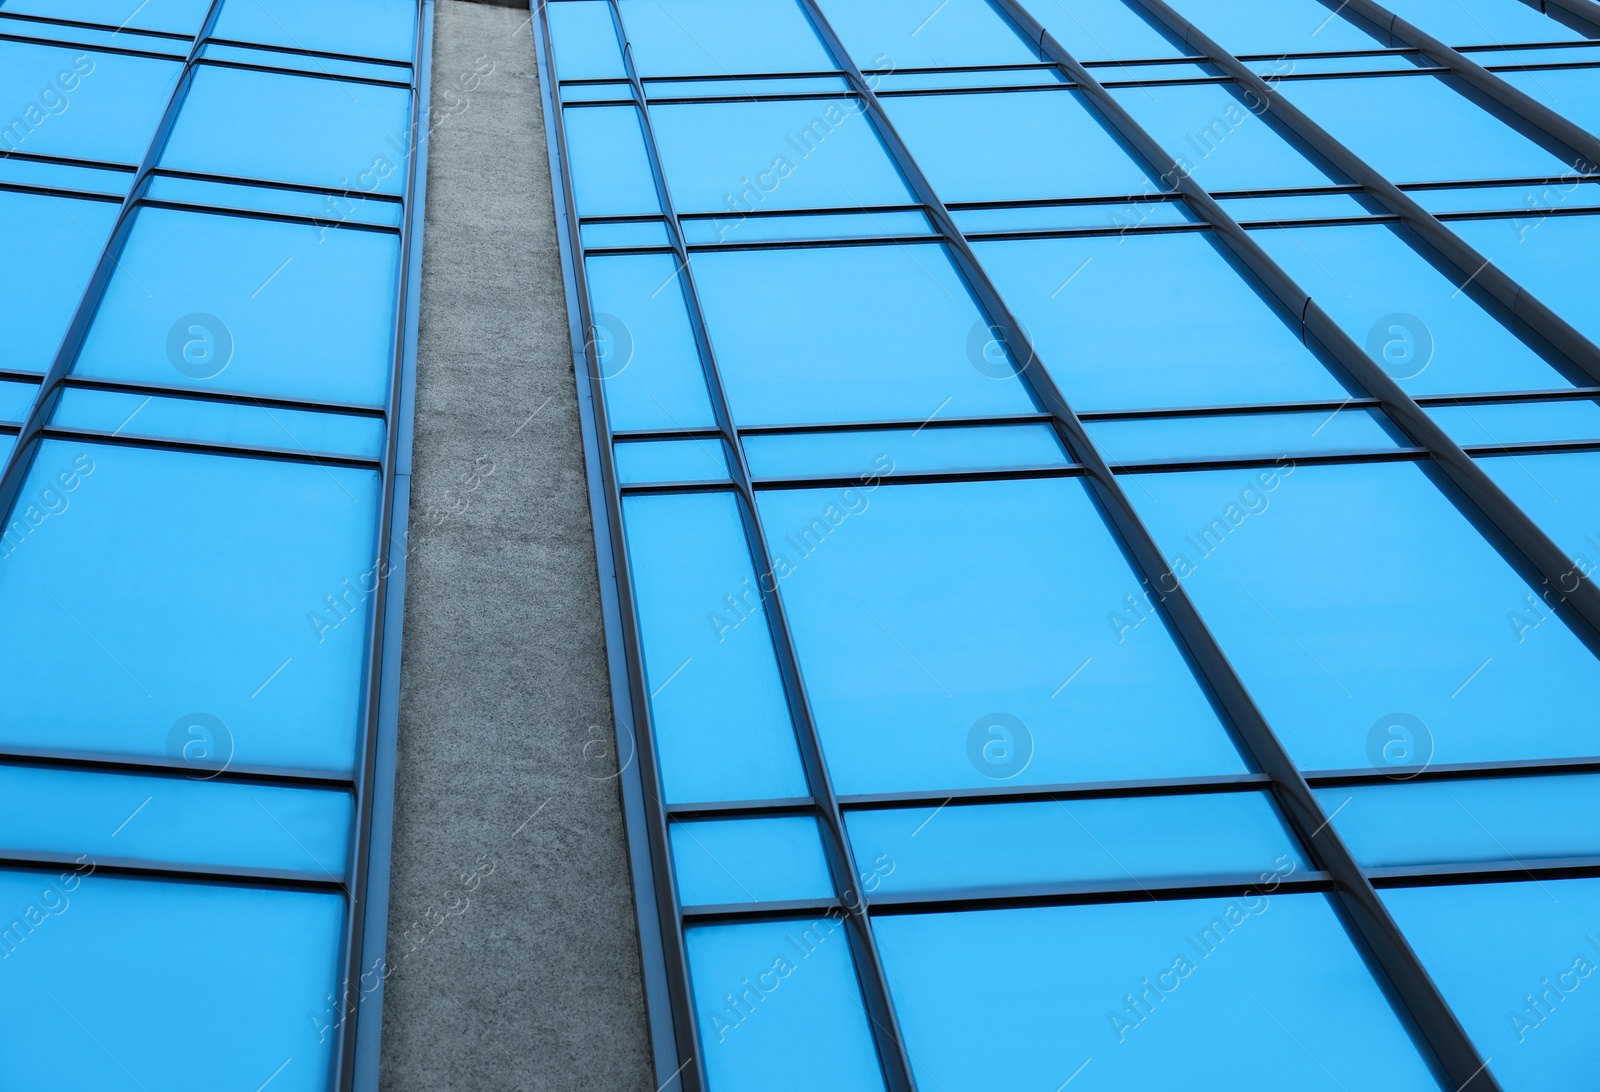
(1239, 434)
(79, 104)
(921, 612)
(1460, 141)
(627, 233)
(1014, 146)
(342, 211)
(1562, 494)
(1034, 76)
(747, 156)
(781, 990)
(1520, 422)
(1314, 206)
(1515, 961)
(1274, 26)
(318, 65)
(1112, 214)
(1217, 139)
(1546, 256)
(586, 41)
(1481, 22)
(721, 720)
(175, 820)
(100, 979)
(707, 87)
(347, 137)
(172, 16)
(246, 426)
(255, 305)
(63, 176)
(749, 860)
(671, 461)
(52, 245)
(611, 173)
(903, 338)
(1533, 203)
(1413, 320)
(1140, 838)
(649, 366)
(597, 92)
(906, 34)
(1489, 819)
(761, 229)
(15, 398)
(1092, 31)
(875, 452)
(239, 589)
(1406, 615)
(702, 37)
(1108, 314)
(365, 28)
(1196, 988)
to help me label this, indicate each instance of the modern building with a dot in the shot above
(799, 544)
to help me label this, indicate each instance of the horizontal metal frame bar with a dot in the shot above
(1453, 771)
(159, 767)
(725, 913)
(1022, 794)
(1563, 868)
(173, 872)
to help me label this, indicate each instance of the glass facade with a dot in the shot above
(1101, 496)
(210, 213)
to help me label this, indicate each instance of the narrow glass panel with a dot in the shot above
(671, 461)
(1533, 204)
(1573, 92)
(61, 176)
(721, 719)
(1233, 435)
(259, 306)
(1497, 59)
(110, 961)
(1517, 963)
(1272, 69)
(902, 337)
(52, 245)
(961, 32)
(362, 28)
(742, 156)
(1481, 22)
(1520, 422)
(924, 612)
(171, 16)
(1152, 321)
(1309, 206)
(1118, 215)
(765, 229)
(343, 136)
(649, 366)
(1033, 76)
(699, 38)
(1014, 146)
(1415, 322)
(175, 820)
(762, 989)
(1460, 141)
(1193, 987)
(879, 452)
(218, 422)
(341, 67)
(327, 208)
(1406, 617)
(1508, 819)
(1274, 27)
(1562, 494)
(79, 104)
(596, 92)
(586, 41)
(1218, 139)
(1093, 31)
(239, 591)
(1544, 254)
(743, 88)
(1110, 75)
(932, 849)
(749, 860)
(627, 233)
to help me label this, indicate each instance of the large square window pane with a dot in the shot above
(749, 860)
(586, 41)
(80, 104)
(1517, 962)
(741, 157)
(901, 337)
(1415, 323)
(385, 29)
(239, 590)
(943, 647)
(717, 701)
(1095, 31)
(611, 173)
(1348, 596)
(906, 34)
(171, 16)
(1108, 997)
(1275, 27)
(780, 1008)
(1152, 321)
(1548, 256)
(352, 138)
(1014, 146)
(1574, 92)
(648, 362)
(1218, 139)
(1481, 22)
(714, 37)
(241, 304)
(1460, 140)
(104, 976)
(52, 246)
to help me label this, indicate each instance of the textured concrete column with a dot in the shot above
(511, 921)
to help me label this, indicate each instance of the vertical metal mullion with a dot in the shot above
(892, 1058)
(1376, 931)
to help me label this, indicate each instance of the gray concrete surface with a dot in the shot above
(511, 920)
